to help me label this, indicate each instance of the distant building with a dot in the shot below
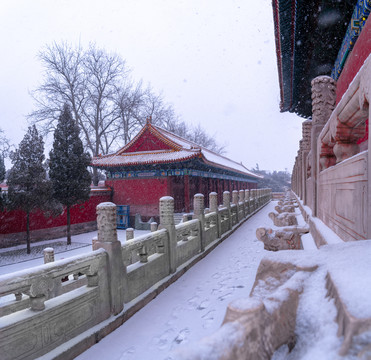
(159, 163)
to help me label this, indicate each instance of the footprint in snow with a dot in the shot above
(164, 340)
(216, 276)
(176, 311)
(217, 289)
(236, 287)
(182, 336)
(193, 302)
(208, 319)
(203, 305)
(223, 297)
(127, 353)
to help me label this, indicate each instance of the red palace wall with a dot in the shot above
(141, 194)
(148, 142)
(355, 60)
(13, 222)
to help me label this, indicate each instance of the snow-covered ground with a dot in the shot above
(192, 307)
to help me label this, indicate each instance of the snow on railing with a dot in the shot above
(44, 314)
(113, 274)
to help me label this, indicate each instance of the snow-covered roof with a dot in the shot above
(169, 148)
(145, 157)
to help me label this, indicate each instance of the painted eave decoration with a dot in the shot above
(154, 145)
(308, 37)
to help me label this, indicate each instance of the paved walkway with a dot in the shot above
(192, 307)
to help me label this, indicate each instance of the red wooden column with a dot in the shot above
(187, 204)
(169, 180)
(219, 190)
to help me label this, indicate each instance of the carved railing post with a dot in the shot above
(253, 199)
(199, 213)
(323, 103)
(107, 239)
(306, 131)
(235, 202)
(94, 241)
(247, 202)
(227, 204)
(129, 234)
(261, 197)
(213, 203)
(153, 226)
(241, 196)
(167, 222)
(39, 293)
(48, 258)
(48, 255)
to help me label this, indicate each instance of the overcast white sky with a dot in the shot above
(214, 60)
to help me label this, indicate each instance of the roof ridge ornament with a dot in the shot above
(149, 120)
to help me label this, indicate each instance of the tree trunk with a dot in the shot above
(28, 234)
(95, 176)
(68, 226)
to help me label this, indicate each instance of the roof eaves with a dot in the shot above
(148, 162)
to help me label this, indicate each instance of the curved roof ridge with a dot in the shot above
(208, 150)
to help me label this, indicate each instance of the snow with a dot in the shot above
(209, 155)
(188, 150)
(308, 242)
(83, 241)
(244, 304)
(329, 235)
(105, 204)
(167, 198)
(145, 157)
(192, 309)
(194, 306)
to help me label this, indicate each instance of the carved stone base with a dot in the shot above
(286, 208)
(344, 151)
(279, 240)
(283, 219)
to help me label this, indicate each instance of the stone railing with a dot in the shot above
(146, 260)
(39, 312)
(332, 171)
(42, 315)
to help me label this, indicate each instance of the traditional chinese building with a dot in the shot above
(324, 65)
(158, 163)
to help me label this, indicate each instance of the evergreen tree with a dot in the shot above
(68, 166)
(28, 188)
(2, 177)
(2, 169)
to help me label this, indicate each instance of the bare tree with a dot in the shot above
(130, 100)
(86, 80)
(104, 74)
(107, 105)
(64, 82)
(201, 137)
(5, 145)
(154, 106)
